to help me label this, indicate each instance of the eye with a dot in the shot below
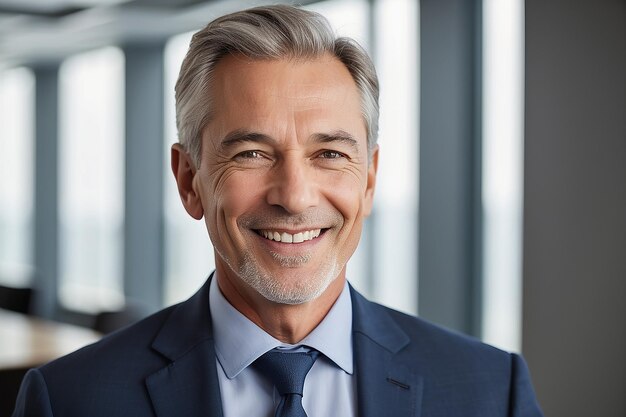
(248, 155)
(252, 158)
(331, 155)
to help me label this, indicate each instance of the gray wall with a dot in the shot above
(574, 334)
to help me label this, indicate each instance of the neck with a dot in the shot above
(289, 323)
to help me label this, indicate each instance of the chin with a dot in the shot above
(289, 286)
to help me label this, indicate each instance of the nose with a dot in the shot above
(293, 186)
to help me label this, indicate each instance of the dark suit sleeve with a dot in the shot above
(33, 399)
(523, 401)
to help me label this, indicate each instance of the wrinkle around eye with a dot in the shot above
(342, 167)
(221, 177)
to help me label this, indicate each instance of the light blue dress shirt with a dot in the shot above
(330, 386)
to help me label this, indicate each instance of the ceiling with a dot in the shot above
(39, 32)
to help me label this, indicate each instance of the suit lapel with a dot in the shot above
(385, 384)
(189, 385)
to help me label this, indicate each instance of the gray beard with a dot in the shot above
(304, 290)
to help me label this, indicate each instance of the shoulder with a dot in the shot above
(426, 334)
(438, 345)
(439, 354)
(111, 377)
(132, 343)
(113, 368)
(461, 371)
(433, 342)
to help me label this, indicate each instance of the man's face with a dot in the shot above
(285, 181)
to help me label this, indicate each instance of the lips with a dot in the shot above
(285, 237)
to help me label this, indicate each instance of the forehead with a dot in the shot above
(245, 90)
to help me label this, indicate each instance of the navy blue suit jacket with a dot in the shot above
(165, 366)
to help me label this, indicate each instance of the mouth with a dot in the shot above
(285, 237)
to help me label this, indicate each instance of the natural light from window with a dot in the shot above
(502, 171)
(91, 180)
(17, 90)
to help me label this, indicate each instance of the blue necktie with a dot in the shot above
(287, 371)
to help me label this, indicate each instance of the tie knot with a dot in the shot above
(286, 370)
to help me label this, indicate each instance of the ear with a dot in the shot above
(371, 182)
(184, 172)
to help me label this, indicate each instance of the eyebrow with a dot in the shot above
(242, 136)
(340, 136)
(239, 136)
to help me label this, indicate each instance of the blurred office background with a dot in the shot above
(501, 198)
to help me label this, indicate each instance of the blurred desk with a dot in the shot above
(27, 342)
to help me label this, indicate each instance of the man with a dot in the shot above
(277, 123)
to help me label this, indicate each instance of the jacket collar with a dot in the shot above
(386, 385)
(187, 327)
(188, 385)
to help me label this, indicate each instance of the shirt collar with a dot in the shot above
(239, 342)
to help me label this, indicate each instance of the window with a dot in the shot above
(502, 171)
(91, 180)
(16, 176)
(397, 59)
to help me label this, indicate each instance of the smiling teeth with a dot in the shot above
(285, 237)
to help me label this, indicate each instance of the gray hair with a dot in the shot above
(270, 32)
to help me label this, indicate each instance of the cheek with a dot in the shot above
(230, 198)
(237, 194)
(347, 196)
(350, 205)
